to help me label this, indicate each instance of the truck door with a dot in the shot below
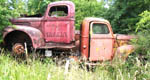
(58, 26)
(101, 42)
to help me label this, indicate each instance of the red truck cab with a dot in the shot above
(58, 24)
(53, 30)
(97, 39)
(99, 43)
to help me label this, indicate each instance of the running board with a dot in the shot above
(57, 45)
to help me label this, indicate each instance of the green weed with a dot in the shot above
(132, 69)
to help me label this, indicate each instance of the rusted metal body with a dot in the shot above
(18, 48)
(60, 29)
(55, 30)
(100, 47)
(48, 31)
(34, 34)
(122, 46)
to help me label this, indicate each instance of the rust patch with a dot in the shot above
(18, 49)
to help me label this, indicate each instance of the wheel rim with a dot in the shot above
(18, 49)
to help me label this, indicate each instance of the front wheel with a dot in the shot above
(18, 49)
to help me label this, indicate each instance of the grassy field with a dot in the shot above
(133, 69)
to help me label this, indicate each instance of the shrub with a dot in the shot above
(142, 42)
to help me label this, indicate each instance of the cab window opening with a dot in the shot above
(58, 11)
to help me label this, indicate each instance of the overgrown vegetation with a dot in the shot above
(133, 69)
(123, 14)
(126, 16)
(142, 42)
(91, 9)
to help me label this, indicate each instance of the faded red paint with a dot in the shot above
(55, 30)
(85, 38)
(123, 37)
(124, 51)
(96, 46)
(59, 29)
(100, 47)
(59, 32)
(28, 21)
(36, 36)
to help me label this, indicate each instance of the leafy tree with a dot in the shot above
(38, 6)
(142, 42)
(84, 8)
(9, 9)
(87, 8)
(144, 24)
(18, 6)
(123, 14)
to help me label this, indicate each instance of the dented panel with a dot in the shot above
(123, 51)
(34, 34)
(101, 41)
(96, 47)
(101, 48)
(58, 31)
(58, 27)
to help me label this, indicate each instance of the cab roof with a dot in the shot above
(90, 19)
(61, 2)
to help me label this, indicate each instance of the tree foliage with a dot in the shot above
(8, 9)
(142, 44)
(123, 14)
(144, 24)
(142, 33)
(87, 9)
(37, 6)
(84, 8)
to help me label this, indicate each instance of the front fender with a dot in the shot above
(35, 34)
(124, 51)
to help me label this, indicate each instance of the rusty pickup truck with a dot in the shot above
(56, 30)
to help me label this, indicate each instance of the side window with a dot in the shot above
(58, 11)
(100, 29)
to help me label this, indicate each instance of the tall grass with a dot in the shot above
(132, 69)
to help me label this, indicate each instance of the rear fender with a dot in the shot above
(35, 35)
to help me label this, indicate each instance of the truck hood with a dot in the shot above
(123, 37)
(27, 21)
